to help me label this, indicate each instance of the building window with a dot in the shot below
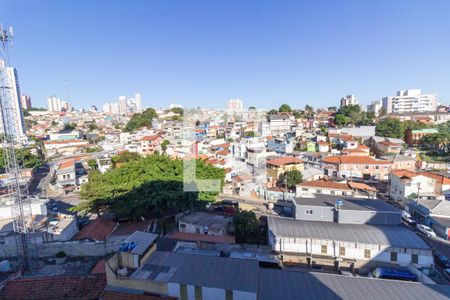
(366, 167)
(309, 211)
(414, 258)
(323, 249)
(367, 253)
(198, 292)
(341, 251)
(332, 192)
(319, 191)
(344, 193)
(183, 292)
(229, 295)
(304, 189)
(393, 256)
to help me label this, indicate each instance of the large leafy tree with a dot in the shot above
(25, 159)
(285, 108)
(291, 178)
(139, 120)
(147, 187)
(390, 127)
(246, 227)
(438, 142)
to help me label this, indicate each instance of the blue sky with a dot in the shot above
(202, 53)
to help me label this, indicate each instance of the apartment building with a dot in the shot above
(407, 101)
(347, 166)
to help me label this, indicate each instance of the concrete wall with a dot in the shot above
(208, 293)
(379, 253)
(319, 213)
(71, 248)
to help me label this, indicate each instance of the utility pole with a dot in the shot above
(10, 140)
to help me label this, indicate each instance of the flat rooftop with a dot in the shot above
(200, 270)
(348, 203)
(292, 285)
(213, 221)
(388, 235)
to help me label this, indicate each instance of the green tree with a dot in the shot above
(341, 120)
(93, 149)
(177, 110)
(92, 126)
(139, 120)
(25, 159)
(285, 108)
(273, 112)
(69, 127)
(298, 114)
(390, 127)
(332, 108)
(92, 163)
(291, 178)
(124, 157)
(164, 145)
(246, 227)
(249, 134)
(252, 108)
(148, 187)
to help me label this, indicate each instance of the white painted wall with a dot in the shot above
(380, 253)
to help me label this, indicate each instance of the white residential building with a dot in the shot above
(408, 101)
(235, 105)
(13, 91)
(375, 107)
(138, 102)
(123, 105)
(54, 103)
(349, 100)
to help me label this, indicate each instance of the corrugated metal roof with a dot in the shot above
(201, 270)
(388, 235)
(287, 285)
(348, 203)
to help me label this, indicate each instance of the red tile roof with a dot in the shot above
(67, 164)
(97, 230)
(55, 287)
(197, 237)
(100, 267)
(348, 159)
(128, 228)
(439, 178)
(405, 173)
(361, 186)
(150, 138)
(279, 162)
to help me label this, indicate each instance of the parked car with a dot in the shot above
(407, 217)
(426, 230)
(388, 273)
(442, 260)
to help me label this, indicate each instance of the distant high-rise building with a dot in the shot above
(235, 105)
(25, 101)
(12, 88)
(349, 100)
(138, 102)
(408, 101)
(375, 107)
(54, 103)
(123, 105)
(106, 108)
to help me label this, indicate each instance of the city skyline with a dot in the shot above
(265, 54)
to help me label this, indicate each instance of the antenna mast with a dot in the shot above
(10, 141)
